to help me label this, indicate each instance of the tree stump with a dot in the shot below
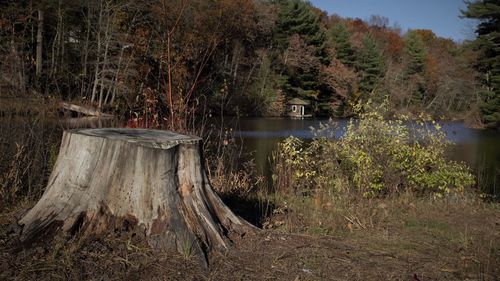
(108, 180)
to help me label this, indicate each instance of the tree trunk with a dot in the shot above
(39, 43)
(83, 88)
(149, 181)
(98, 55)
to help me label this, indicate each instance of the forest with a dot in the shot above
(166, 61)
(187, 167)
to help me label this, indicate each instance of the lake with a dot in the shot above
(479, 149)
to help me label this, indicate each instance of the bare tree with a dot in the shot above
(39, 42)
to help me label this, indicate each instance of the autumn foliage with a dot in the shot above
(165, 62)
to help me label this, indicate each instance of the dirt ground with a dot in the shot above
(422, 246)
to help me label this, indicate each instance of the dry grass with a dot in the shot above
(397, 254)
(458, 235)
(27, 106)
(314, 236)
(25, 176)
(456, 238)
(28, 149)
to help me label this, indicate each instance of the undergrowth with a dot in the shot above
(378, 188)
(375, 157)
(28, 148)
(386, 186)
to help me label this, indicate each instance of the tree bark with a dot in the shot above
(109, 180)
(39, 43)
(98, 55)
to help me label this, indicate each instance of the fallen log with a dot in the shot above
(88, 122)
(84, 110)
(108, 180)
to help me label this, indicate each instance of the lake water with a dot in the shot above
(480, 149)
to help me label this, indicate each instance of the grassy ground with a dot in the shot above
(306, 239)
(311, 236)
(457, 237)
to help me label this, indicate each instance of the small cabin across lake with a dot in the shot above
(297, 108)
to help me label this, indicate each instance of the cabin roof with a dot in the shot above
(297, 101)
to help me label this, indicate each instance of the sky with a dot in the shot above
(441, 16)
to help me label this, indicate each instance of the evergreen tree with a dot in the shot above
(302, 44)
(296, 17)
(371, 66)
(416, 53)
(341, 41)
(414, 48)
(488, 43)
(302, 70)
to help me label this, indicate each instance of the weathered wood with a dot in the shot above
(107, 180)
(84, 110)
(87, 122)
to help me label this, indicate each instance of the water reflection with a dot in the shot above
(480, 149)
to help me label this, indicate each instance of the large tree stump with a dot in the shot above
(118, 179)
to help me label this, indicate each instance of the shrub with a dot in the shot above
(375, 157)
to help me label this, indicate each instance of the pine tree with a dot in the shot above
(488, 43)
(371, 66)
(302, 69)
(414, 48)
(341, 41)
(302, 44)
(296, 17)
(416, 53)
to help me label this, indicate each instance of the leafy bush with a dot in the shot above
(374, 157)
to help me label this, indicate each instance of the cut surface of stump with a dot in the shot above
(107, 180)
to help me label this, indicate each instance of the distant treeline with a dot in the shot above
(170, 59)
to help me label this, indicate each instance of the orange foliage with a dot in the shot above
(390, 41)
(358, 25)
(395, 43)
(340, 79)
(431, 72)
(300, 56)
